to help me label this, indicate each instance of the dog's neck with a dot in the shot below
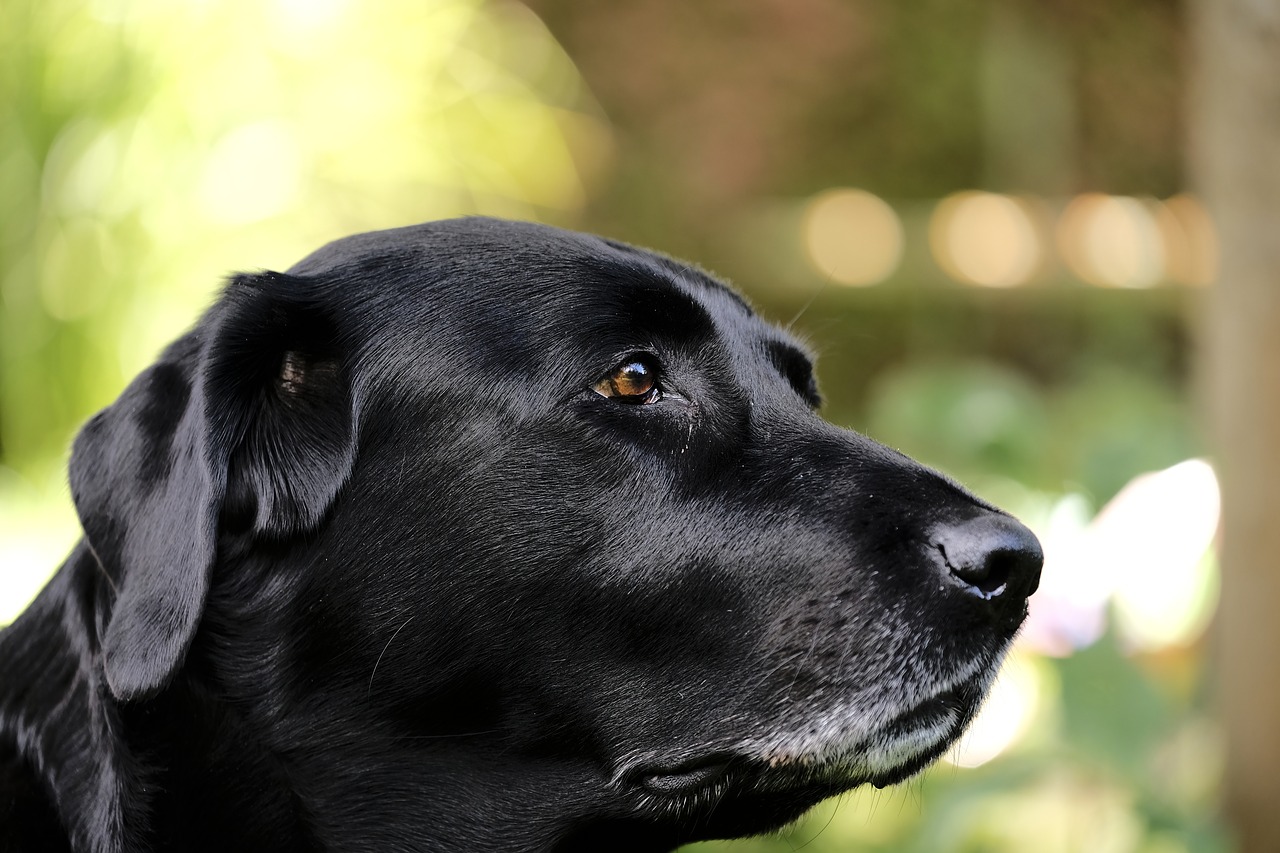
(80, 775)
(185, 771)
(70, 769)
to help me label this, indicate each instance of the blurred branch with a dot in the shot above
(1236, 149)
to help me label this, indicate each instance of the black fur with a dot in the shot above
(372, 564)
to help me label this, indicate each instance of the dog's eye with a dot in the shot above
(633, 381)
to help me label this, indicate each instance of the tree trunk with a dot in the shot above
(1235, 124)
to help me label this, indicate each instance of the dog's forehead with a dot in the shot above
(496, 252)
(525, 291)
(468, 244)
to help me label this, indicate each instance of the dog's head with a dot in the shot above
(490, 517)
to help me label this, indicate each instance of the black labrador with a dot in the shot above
(482, 535)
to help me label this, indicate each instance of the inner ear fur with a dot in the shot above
(282, 369)
(247, 416)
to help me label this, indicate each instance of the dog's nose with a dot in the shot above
(992, 557)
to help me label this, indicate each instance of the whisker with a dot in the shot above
(445, 737)
(384, 651)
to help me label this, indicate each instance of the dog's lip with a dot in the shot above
(679, 778)
(931, 710)
(683, 777)
(694, 780)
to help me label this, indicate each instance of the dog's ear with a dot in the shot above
(279, 379)
(248, 419)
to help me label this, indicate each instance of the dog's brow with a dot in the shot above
(687, 274)
(663, 308)
(650, 300)
(693, 276)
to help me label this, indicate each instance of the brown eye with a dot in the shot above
(633, 381)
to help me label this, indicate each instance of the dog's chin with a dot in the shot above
(767, 788)
(916, 738)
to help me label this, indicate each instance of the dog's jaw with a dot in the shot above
(763, 782)
(887, 741)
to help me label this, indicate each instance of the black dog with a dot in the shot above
(481, 535)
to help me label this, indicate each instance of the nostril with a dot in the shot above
(991, 555)
(989, 577)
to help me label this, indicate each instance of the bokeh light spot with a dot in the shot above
(1148, 553)
(1111, 241)
(1190, 240)
(253, 173)
(852, 236)
(986, 239)
(1156, 534)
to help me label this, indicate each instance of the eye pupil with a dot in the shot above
(632, 380)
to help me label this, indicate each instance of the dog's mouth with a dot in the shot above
(892, 752)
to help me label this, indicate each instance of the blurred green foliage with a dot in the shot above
(148, 148)
(978, 419)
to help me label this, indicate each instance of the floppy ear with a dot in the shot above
(247, 417)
